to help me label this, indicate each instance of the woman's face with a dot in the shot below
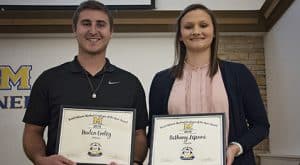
(196, 30)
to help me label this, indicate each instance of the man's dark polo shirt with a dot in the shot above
(67, 84)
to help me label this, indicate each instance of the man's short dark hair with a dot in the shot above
(93, 5)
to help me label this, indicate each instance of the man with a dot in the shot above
(88, 80)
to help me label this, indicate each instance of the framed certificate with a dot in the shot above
(188, 140)
(96, 135)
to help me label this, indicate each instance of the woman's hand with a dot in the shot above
(232, 151)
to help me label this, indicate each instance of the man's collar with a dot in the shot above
(76, 67)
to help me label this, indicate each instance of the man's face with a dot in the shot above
(93, 32)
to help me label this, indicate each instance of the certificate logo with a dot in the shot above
(187, 153)
(95, 149)
(97, 121)
(187, 127)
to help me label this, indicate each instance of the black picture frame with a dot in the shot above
(100, 111)
(177, 120)
(4, 7)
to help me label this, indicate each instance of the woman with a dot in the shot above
(199, 82)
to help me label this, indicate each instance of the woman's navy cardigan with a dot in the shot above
(248, 122)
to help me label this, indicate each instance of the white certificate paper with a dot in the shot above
(96, 136)
(188, 140)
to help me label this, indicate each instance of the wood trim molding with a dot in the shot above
(59, 21)
(272, 10)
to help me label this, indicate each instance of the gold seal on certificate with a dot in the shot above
(96, 135)
(188, 140)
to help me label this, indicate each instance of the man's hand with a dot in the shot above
(53, 160)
